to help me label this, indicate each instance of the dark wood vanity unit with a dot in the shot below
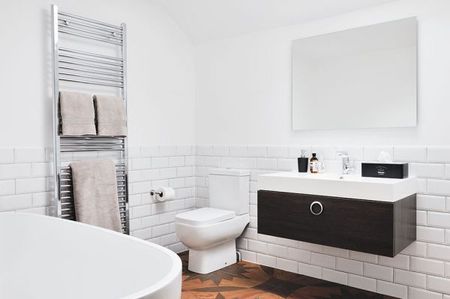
(378, 227)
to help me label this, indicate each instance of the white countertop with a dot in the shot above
(346, 186)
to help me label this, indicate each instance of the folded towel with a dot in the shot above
(77, 113)
(95, 193)
(111, 119)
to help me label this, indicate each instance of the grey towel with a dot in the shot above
(77, 113)
(95, 193)
(111, 119)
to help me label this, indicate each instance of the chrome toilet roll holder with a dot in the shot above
(156, 193)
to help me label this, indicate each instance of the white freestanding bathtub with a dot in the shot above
(47, 257)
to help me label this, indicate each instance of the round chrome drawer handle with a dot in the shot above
(314, 205)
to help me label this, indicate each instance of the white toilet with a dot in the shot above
(210, 233)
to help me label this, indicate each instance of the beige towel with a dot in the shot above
(95, 193)
(111, 119)
(77, 113)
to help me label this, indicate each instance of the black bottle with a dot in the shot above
(303, 162)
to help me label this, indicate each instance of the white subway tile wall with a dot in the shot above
(25, 180)
(26, 186)
(421, 271)
(154, 166)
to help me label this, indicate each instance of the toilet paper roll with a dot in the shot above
(164, 193)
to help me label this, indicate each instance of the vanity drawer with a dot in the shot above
(377, 227)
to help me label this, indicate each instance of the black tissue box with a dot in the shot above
(384, 170)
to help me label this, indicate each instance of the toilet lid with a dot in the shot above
(204, 216)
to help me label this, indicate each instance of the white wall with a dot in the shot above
(244, 84)
(160, 71)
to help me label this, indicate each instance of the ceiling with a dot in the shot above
(204, 20)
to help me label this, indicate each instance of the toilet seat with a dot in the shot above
(211, 246)
(204, 216)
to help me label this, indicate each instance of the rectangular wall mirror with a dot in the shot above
(359, 78)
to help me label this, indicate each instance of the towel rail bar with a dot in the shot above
(96, 138)
(65, 25)
(94, 60)
(119, 186)
(84, 70)
(68, 20)
(90, 77)
(108, 34)
(75, 142)
(79, 64)
(88, 20)
(90, 82)
(65, 62)
(90, 150)
(89, 139)
(111, 144)
(100, 61)
(93, 143)
(101, 144)
(92, 147)
(120, 182)
(118, 165)
(90, 54)
(87, 36)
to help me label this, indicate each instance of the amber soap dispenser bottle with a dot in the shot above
(314, 164)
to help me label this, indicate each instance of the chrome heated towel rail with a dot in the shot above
(87, 54)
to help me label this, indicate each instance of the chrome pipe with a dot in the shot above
(69, 173)
(90, 54)
(90, 65)
(88, 20)
(72, 146)
(81, 70)
(91, 137)
(68, 181)
(106, 145)
(56, 144)
(103, 145)
(119, 167)
(125, 98)
(89, 149)
(63, 55)
(90, 82)
(112, 36)
(119, 180)
(65, 31)
(69, 21)
(89, 77)
(92, 142)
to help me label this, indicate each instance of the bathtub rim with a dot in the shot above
(174, 273)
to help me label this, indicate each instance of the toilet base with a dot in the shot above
(212, 259)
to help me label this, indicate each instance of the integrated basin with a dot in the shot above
(347, 186)
(373, 215)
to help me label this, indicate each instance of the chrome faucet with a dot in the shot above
(345, 163)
